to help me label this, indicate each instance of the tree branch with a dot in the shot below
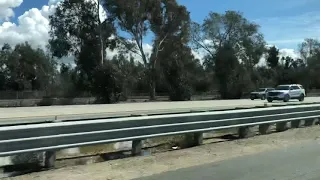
(127, 46)
(206, 48)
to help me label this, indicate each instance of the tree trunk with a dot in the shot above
(152, 90)
(102, 50)
(152, 83)
(100, 36)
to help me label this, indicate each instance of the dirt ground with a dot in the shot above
(130, 168)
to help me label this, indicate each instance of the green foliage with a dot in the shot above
(106, 84)
(230, 28)
(134, 17)
(177, 59)
(66, 81)
(132, 74)
(25, 68)
(309, 49)
(170, 49)
(138, 17)
(76, 30)
(227, 39)
(273, 57)
(232, 76)
(232, 47)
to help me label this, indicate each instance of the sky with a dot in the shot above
(284, 23)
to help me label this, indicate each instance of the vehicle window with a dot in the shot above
(301, 87)
(295, 87)
(283, 88)
(261, 89)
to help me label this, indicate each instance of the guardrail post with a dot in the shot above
(309, 122)
(246, 132)
(50, 159)
(264, 128)
(296, 124)
(281, 126)
(198, 139)
(136, 147)
(189, 140)
(193, 139)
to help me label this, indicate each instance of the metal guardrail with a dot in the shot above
(63, 115)
(95, 116)
(60, 135)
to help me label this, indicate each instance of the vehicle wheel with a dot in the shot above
(301, 98)
(263, 97)
(270, 100)
(252, 99)
(286, 98)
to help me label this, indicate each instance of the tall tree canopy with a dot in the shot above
(26, 68)
(233, 29)
(133, 17)
(76, 30)
(139, 18)
(273, 57)
(171, 28)
(229, 32)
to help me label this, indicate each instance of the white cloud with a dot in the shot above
(294, 4)
(103, 14)
(286, 41)
(6, 8)
(146, 47)
(289, 52)
(282, 53)
(54, 2)
(197, 55)
(32, 26)
(289, 31)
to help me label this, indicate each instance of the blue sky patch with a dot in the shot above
(284, 23)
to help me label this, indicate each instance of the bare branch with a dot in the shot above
(165, 37)
(129, 46)
(203, 46)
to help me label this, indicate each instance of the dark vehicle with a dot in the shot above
(261, 93)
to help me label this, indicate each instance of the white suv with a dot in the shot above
(287, 92)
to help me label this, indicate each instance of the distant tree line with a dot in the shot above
(232, 47)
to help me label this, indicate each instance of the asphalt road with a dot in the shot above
(64, 112)
(299, 162)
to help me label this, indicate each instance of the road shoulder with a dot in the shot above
(293, 162)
